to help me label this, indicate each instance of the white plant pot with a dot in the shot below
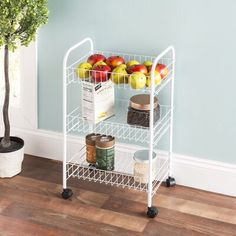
(11, 162)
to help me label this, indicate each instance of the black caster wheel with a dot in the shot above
(170, 182)
(67, 193)
(152, 212)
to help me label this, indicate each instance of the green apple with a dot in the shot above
(137, 80)
(119, 75)
(99, 63)
(147, 63)
(157, 79)
(131, 63)
(82, 71)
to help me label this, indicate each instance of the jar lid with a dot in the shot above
(142, 102)
(91, 138)
(105, 141)
(142, 156)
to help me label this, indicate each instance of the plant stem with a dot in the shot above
(5, 142)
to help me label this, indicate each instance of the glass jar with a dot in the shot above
(90, 148)
(139, 110)
(105, 152)
(141, 166)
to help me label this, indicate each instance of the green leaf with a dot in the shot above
(20, 20)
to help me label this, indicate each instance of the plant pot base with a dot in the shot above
(11, 161)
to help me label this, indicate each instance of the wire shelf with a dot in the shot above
(117, 126)
(121, 176)
(167, 60)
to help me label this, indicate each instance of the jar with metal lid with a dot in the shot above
(105, 152)
(141, 166)
(90, 148)
(139, 110)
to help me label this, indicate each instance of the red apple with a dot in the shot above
(115, 61)
(95, 58)
(162, 69)
(137, 68)
(100, 73)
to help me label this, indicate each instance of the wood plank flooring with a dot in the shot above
(30, 204)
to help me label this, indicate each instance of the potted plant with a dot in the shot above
(19, 22)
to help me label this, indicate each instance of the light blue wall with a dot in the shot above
(204, 35)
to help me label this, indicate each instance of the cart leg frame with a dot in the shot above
(67, 193)
(152, 211)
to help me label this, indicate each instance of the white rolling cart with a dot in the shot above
(74, 163)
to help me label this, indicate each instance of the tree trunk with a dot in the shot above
(5, 142)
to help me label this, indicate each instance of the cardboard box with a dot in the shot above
(98, 101)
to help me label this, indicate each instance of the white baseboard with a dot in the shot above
(204, 174)
(189, 171)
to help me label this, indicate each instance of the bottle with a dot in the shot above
(90, 148)
(105, 152)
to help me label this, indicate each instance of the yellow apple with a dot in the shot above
(147, 63)
(82, 71)
(132, 62)
(137, 80)
(99, 63)
(157, 79)
(119, 75)
(123, 66)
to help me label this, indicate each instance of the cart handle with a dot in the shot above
(170, 48)
(85, 40)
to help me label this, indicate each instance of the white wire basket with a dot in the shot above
(121, 176)
(167, 61)
(117, 126)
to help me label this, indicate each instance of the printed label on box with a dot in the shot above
(98, 101)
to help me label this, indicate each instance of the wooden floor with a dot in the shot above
(30, 204)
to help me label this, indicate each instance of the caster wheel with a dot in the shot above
(67, 193)
(152, 212)
(170, 182)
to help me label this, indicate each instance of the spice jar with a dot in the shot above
(90, 148)
(105, 152)
(139, 110)
(141, 166)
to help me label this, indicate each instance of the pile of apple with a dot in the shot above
(137, 74)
